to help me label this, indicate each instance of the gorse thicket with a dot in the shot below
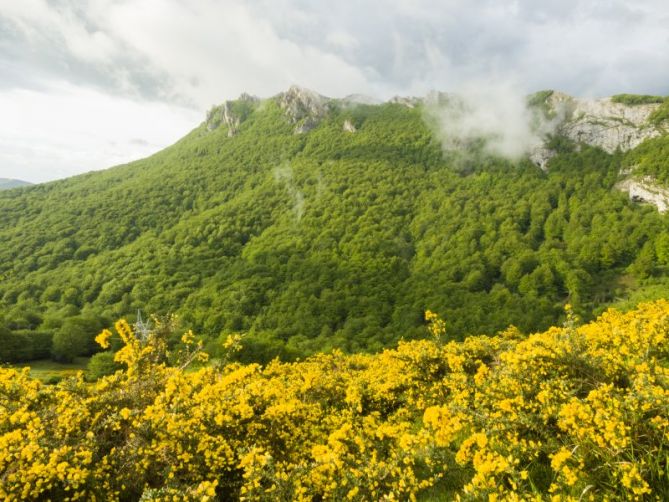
(573, 413)
(328, 239)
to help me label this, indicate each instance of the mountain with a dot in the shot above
(6, 183)
(311, 223)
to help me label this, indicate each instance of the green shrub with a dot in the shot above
(661, 114)
(76, 337)
(101, 364)
(637, 99)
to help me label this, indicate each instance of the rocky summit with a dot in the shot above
(606, 123)
(614, 124)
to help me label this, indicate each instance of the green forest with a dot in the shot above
(307, 242)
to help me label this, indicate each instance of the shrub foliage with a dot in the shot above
(575, 413)
(637, 99)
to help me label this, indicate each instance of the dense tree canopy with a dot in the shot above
(328, 238)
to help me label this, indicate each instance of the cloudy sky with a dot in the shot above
(86, 84)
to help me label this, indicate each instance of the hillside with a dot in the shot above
(574, 413)
(6, 183)
(312, 223)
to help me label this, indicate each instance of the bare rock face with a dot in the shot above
(303, 107)
(613, 126)
(348, 126)
(226, 114)
(540, 156)
(603, 123)
(230, 119)
(646, 191)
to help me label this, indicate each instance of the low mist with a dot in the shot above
(284, 174)
(494, 116)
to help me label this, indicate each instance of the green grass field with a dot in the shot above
(51, 371)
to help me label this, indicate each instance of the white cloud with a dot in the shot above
(46, 23)
(342, 40)
(67, 130)
(197, 53)
(217, 50)
(495, 111)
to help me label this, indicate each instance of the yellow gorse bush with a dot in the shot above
(574, 413)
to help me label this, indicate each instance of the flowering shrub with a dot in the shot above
(574, 413)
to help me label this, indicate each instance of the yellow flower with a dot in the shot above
(559, 458)
(383, 426)
(188, 338)
(103, 339)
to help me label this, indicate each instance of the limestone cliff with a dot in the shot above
(603, 122)
(646, 190)
(303, 107)
(231, 113)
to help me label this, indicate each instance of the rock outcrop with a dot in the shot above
(540, 156)
(646, 190)
(602, 122)
(231, 114)
(610, 126)
(303, 107)
(348, 126)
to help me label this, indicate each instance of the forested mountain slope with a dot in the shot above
(313, 223)
(6, 183)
